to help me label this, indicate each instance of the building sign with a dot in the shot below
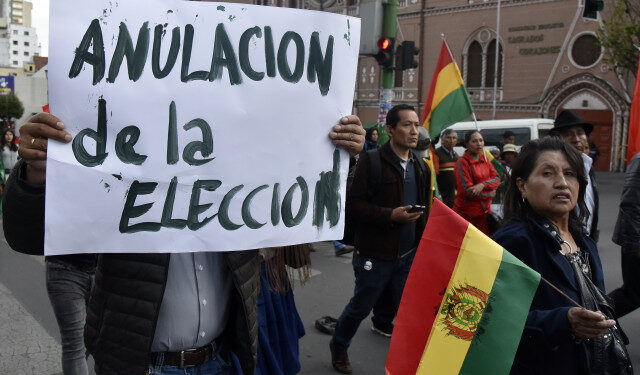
(534, 38)
(6, 85)
(197, 126)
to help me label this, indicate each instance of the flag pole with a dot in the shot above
(561, 292)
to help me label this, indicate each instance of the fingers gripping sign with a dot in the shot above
(349, 134)
(34, 139)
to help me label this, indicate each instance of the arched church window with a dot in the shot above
(474, 65)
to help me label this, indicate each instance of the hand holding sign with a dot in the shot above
(34, 136)
(349, 134)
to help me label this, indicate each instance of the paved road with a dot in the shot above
(29, 340)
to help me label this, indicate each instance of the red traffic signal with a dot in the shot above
(385, 52)
(384, 43)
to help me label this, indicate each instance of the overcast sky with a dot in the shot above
(40, 20)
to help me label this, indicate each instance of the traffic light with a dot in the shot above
(385, 52)
(409, 53)
(591, 8)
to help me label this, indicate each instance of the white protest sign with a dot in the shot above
(197, 126)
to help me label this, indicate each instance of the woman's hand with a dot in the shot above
(34, 136)
(475, 190)
(586, 324)
(349, 134)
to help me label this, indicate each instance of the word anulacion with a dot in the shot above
(225, 55)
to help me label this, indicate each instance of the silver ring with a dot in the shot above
(33, 140)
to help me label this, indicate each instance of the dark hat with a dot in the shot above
(567, 119)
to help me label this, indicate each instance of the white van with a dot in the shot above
(492, 130)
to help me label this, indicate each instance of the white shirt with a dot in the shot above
(589, 195)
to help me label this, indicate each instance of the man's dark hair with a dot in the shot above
(508, 134)
(516, 208)
(393, 116)
(446, 132)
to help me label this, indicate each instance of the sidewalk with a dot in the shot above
(26, 348)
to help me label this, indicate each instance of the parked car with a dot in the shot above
(492, 130)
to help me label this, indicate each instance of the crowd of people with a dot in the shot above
(235, 313)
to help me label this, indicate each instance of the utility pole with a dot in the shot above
(389, 26)
(495, 72)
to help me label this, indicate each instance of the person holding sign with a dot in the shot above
(155, 313)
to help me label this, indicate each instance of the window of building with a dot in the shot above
(15, 32)
(15, 52)
(479, 60)
(26, 53)
(585, 51)
(26, 33)
(26, 44)
(474, 65)
(15, 62)
(15, 42)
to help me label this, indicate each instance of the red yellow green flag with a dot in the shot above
(447, 101)
(464, 304)
(633, 141)
(495, 162)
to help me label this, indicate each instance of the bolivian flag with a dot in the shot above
(464, 304)
(447, 102)
(495, 162)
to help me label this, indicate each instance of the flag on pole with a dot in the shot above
(633, 142)
(495, 162)
(448, 101)
(464, 305)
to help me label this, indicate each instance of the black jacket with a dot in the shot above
(371, 206)
(627, 234)
(125, 301)
(627, 231)
(594, 232)
(26, 199)
(547, 345)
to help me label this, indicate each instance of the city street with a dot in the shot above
(29, 341)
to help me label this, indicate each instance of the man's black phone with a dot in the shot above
(416, 208)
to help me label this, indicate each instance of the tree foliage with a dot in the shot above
(10, 108)
(620, 36)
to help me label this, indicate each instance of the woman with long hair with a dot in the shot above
(476, 182)
(371, 139)
(9, 150)
(545, 232)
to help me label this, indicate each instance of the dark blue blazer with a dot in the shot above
(547, 346)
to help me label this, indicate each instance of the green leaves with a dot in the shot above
(10, 107)
(620, 36)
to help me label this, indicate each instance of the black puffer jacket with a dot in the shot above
(627, 231)
(125, 301)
